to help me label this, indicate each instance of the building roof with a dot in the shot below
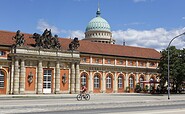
(89, 47)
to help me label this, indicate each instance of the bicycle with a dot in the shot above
(84, 96)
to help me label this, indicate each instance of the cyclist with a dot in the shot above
(83, 89)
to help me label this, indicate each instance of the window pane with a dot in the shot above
(49, 78)
(1, 84)
(120, 82)
(83, 79)
(49, 85)
(45, 78)
(1, 78)
(96, 82)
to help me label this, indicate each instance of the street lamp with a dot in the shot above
(169, 63)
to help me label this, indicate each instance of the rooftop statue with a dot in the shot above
(19, 39)
(46, 40)
(74, 44)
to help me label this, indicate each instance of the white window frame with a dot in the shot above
(2, 76)
(109, 82)
(108, 61)
(83, 79)
(97, 60)
(131, 82)
(96, 81)
(120, 82)
(84, 59)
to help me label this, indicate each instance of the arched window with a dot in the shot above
(151, 81)
(141, 79)
(131, 82)
(83, 79)
(120, 82)
(96, 81)
(109, 82)
(1, 79)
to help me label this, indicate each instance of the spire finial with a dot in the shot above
(98, 11)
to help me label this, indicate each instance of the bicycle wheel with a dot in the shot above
(79, 97)
(87, 97)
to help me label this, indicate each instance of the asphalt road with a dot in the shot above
(165, 109)
(98, 104)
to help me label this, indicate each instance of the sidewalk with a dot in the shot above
(39, 96)
(68, 96)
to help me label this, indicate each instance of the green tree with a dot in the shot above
(177, 66)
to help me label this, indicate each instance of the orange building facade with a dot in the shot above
(103, 68)
(40, 64)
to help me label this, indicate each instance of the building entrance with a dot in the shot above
(47, 81)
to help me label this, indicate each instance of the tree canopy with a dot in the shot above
(177, 67)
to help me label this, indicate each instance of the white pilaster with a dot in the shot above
(57, 77)
(126, 80)
(115, 83)
(90, 82)
(40, 78)
(16, 78)
(72, 89)
(103, 82)
(22, 77)
(77, 78)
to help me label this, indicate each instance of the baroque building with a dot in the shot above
(43, 63)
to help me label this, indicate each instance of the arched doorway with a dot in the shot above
(84, 80)
(141, 83)
(97, 83)
(152, 85)
(109, 83)
(120, 83)
(2, 82)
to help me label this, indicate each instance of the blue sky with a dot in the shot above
(143, 23)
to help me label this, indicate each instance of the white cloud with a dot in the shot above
(158, 38)
(77, 33)
(42, 25)
(183, 17)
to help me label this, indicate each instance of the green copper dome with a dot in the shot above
(98, 24)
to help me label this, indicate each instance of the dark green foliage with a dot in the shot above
(177, 67)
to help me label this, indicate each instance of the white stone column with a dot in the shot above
(72, 89)
(137, 63)
(103, 82)
(90, 59)
(22, 77)
(103, 62)
(137, 77)
(126, 62)
(40, 78)
(16, 78)
(147, 64)
(126, 80)
(115, 83)
(91, 82)
(57, 77)
(77, 78)
(12, 77)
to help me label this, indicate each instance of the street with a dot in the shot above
(99, 103)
